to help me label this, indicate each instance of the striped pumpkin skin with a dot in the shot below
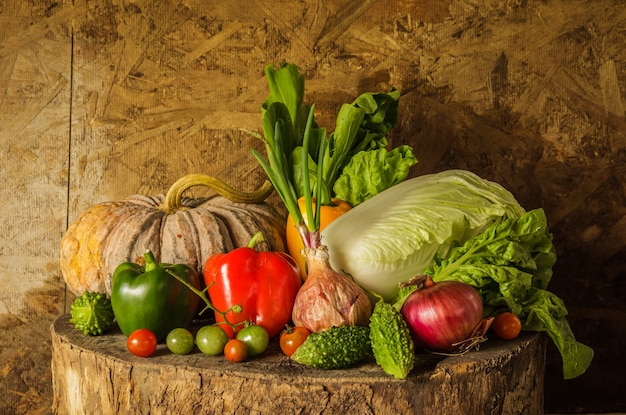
(111, 233)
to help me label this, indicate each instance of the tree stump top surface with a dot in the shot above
(505, 376)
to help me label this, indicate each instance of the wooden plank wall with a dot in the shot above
(100, 99)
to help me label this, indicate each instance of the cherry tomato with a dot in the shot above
(255, 337)
(142, 342)
(235, 351)
(291, 338)
(294, 240)
(507, 325)
(211, 340)
(179, 341)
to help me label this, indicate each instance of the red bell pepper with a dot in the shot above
(263, 283)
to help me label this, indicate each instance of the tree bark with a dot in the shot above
(99, 375)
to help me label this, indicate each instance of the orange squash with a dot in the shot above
(176, 229)
(328, 214)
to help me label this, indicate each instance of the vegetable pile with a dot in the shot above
(377, 264)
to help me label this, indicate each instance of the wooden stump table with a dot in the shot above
(97, 375)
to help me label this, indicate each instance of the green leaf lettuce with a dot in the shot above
(370, 172)
(510, 264)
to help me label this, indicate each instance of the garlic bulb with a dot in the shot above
(327, 298)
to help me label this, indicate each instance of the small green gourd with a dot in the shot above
(391, 340)
(92, 313)
(335, 348)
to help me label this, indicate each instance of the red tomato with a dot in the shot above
(294, 240)
(507, 325)
(235, 351)
(142, 342)
(291, 338)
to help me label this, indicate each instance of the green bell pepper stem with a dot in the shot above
(151, 262)
(209, 306)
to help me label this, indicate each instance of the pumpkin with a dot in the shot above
(176, 229)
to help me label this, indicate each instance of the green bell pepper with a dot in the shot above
(151, 297)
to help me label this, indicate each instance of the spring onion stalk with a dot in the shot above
(327, 298)
(314, 220)
(276, 171)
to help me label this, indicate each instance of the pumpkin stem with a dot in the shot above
(174, 195)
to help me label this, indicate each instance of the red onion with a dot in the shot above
(445, 317)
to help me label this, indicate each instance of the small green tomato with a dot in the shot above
(255, 337)
(211, 340)
(179, 341)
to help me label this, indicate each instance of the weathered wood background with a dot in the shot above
(100, 99)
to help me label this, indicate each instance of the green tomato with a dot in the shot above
(256, 338)
(179, 341)
(211, 340)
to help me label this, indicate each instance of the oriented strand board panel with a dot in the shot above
(103, 98)
(35, 84)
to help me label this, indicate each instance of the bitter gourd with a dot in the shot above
(92, 313)
(335, 348)
(391, 340)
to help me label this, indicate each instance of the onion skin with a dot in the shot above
(441, 317)
(328, 299)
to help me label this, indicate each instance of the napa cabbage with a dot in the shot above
(397, 233)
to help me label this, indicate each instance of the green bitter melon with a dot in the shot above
(391, 340)
(92, 313)
(335, 348)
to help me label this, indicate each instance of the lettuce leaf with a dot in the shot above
(370, 172)
(510, 265)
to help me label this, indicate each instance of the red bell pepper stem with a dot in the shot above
(256, 239)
